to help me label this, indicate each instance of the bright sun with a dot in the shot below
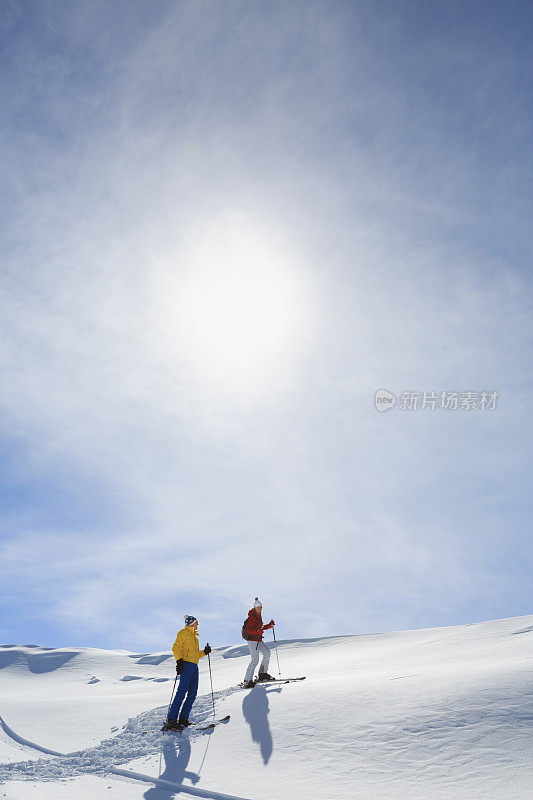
(241, 308)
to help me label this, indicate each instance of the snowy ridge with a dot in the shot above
(440, 713)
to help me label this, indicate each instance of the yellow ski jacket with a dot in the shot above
(186, 646)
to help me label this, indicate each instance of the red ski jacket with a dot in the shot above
(254, 626)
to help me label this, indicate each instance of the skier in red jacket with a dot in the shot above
(253, 629)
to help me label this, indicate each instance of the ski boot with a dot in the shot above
(171, 725)
(264, 676)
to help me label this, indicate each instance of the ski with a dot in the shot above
(196, 726)
(274, 680)
(212, 724)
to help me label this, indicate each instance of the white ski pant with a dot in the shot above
(257, 649)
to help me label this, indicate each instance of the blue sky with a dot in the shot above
(223, 228)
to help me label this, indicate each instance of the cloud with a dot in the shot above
(136, 163)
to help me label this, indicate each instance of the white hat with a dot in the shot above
(258, 603)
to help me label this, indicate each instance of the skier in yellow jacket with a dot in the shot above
(187, 654)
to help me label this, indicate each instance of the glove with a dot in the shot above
(207, 649)
(179, 666)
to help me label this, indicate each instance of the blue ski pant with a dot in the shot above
(188, 685)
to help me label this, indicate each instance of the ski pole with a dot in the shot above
(211, 679)
(277, 656)
(172, 695)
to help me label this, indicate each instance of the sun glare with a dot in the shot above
(242, 308)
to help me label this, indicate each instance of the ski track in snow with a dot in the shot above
(141, 736)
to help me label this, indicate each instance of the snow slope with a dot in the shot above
(439, 713)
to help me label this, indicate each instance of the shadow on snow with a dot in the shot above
(255, 710)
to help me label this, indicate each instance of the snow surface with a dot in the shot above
(438, 713)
